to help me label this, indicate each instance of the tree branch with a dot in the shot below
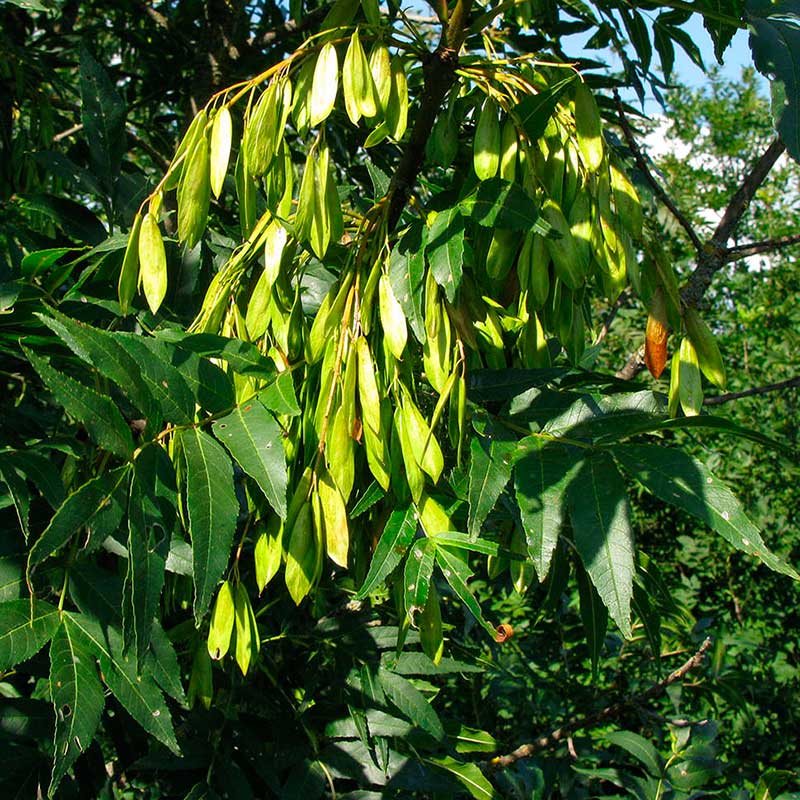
(612, 314)
(744, 250)
(658, 189)
(756, 390)
(439, 69)
(712, 257)
(574, 724)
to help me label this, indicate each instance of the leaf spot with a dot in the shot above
(411, 587)
(156, 713)
(165, 384)
(66, 710)
(709, 480)
(417, 553)
(726, 516)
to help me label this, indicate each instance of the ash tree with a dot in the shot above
(289, 405)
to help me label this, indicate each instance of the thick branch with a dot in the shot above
(712, 257)
(574, 724)
(755, 248)
(756, 390)
(658, 189)
(439, 69)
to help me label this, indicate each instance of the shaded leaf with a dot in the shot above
(677, 478)
(396, 537)
(254, 439)
(24, 630)
(213, 511)
(598, 507)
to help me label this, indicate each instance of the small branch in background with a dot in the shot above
(744, 194)
(574, 724)
(755, 248)
(756, 390)
(612, 314)
(712, 257)
(633, 366)
(658, 189)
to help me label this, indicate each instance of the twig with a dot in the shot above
(770, 387)
(574, 724)
(744, 250)
(712, 257)
(658, 189)
(633, 366)
(611, 316)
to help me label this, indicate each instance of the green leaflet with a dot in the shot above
(456, 571)
(138, 693)
(103, 117)
(166, 384)
(445, 249)
(534, 111)
(775, 43)
(501, 204)
(396, 537)
(594, 616)
(152, 518)
(88, 506)
(129, 272)
(541, 478)
(242, 357)
(407, 276)
(96, 413)
(489, 470)
(411, 702)
(213, 511)
(109, 357)
(468, 775)
(640, 748)
(677, 478)
(417, 576)
(598, 507)
(162, 663)
(24, 630)
(209, 386)
(77, 696)
(254, 439)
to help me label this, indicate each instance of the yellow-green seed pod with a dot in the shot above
(486, 152)
(301, 555)
(340, 452)
(194, 193)
(588, 127)
(221, 134)
(380, 66)
(397, 110)
(129, 273)
(705, 345)
(426, 449)
(674, 384)
(367, 387)
(508, 150)
(580, 224)
(301, 108)
(627, 202)
(307, 200)
(152, 262)
(196, 128)
(325, 85)
(570, 262)
(393, 320)
(268, 552)
(221, 628)
(501, 254)
(357, 83)
(248, 643)
(413, 474)
(334, 517)
(378, 457)
(522, 572)
(691, 384)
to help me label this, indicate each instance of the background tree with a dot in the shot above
(258, 447)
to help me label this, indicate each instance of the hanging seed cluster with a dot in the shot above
(545, 218)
